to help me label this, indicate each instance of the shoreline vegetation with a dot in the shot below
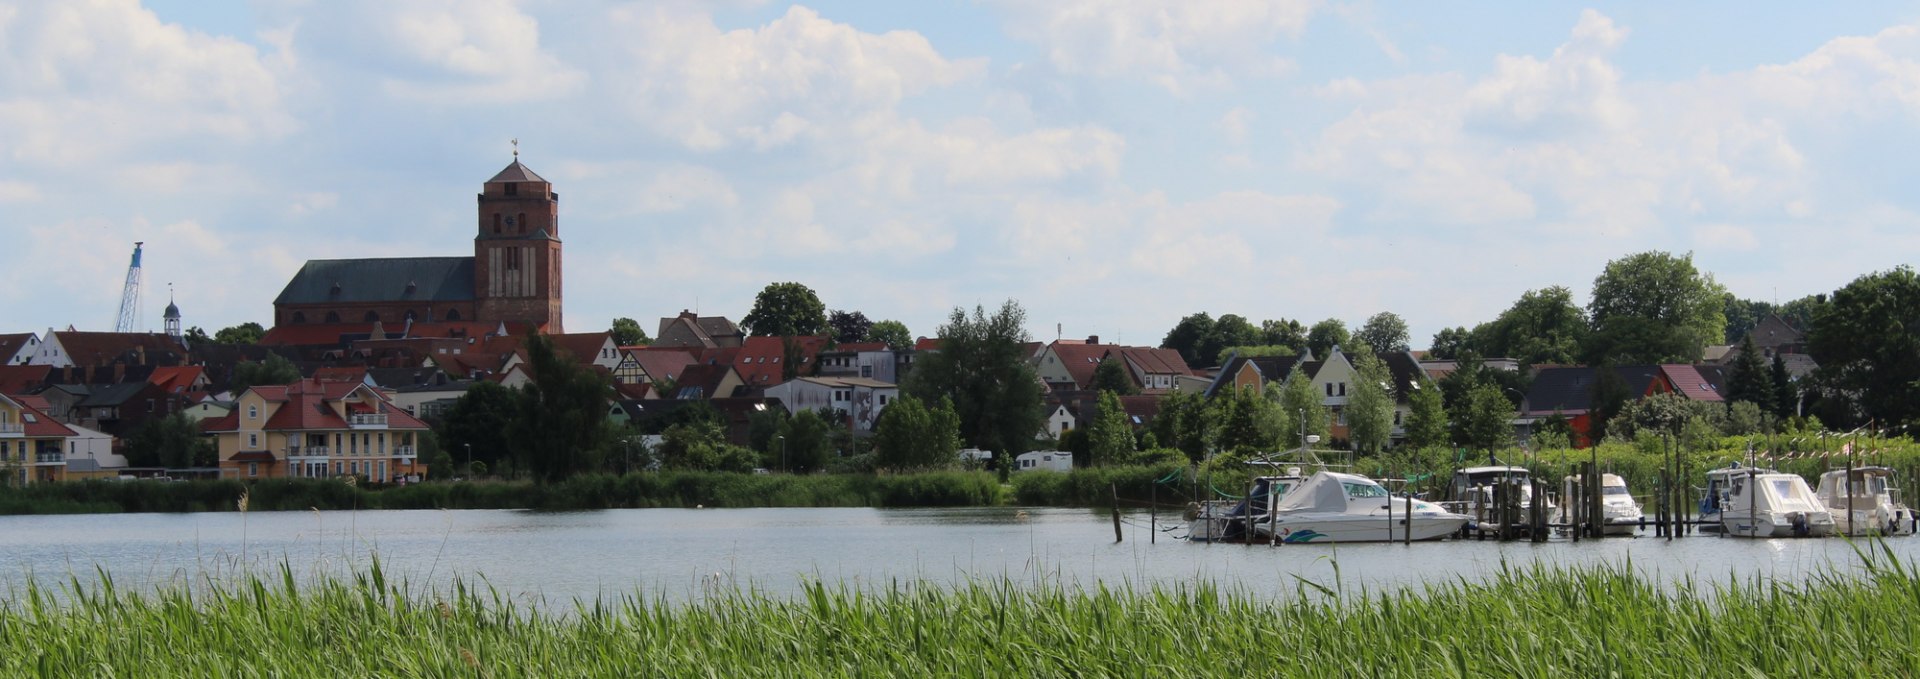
(1532, 621)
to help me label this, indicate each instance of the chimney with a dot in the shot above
(1093, 339)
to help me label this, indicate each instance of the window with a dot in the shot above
(299, 317)
(253, 469)
(496, 223)
(1329, 388)
(1343, 389)
(866, 371)
(453, 314)
(253, 441)
(372, 317)
(522, 221)
(333, 317)
(513, 189)
(1396, 418)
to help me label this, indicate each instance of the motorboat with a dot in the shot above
(1337, 507)
(1763, 504)
(1864, 502)
(1228, 520)
(1477, 493)
(1718, 482)
(1620, 514)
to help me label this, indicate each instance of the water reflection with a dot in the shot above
(682, 553)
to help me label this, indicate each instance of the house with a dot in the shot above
(766, 361)
(871, 360)
(592, 348)
(23, 379)
(318, 429)
(32, 445)
(18, 349)
(1567, 391)
(1069, 364)
(707, 381)
(861, 399)
(1157, 370)
(653, 365)
(69, 348)
(1254, 372)
(90, 455)
(701, 332)
(1334, 378)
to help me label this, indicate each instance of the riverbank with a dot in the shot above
(1536, 622)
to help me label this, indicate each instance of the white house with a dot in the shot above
(859, 397)
(90, 452)
(1060, 421)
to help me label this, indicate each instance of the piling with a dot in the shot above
(1115, 488)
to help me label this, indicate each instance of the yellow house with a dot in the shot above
(318, 429)
(32, 445)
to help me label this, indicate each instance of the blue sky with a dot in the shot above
(1114, 166)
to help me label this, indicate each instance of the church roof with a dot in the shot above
(397, 279)
(516, 173)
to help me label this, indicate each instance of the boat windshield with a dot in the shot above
(1614, 490)
(1364, 490)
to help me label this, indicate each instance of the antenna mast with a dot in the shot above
(129, 320)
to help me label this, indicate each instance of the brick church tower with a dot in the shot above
(516, 254)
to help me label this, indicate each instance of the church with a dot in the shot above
(512, 280)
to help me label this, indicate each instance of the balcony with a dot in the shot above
(367, 421)
(309, 451)
(11, 429)
(405, 451)
(50, 458)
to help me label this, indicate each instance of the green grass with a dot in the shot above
(1540, 622)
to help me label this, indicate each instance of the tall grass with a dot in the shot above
(1538, 622)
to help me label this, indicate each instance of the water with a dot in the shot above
(550, 558)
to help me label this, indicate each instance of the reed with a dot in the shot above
(1535, 622)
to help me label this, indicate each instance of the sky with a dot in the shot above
(1112, 166)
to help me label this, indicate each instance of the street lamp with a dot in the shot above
(783, 454)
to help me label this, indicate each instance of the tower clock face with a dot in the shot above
(509, 220)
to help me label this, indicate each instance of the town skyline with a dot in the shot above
(1113, 173)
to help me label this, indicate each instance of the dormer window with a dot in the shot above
(253, 412)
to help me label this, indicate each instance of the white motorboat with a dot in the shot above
(1477, 491)
(1866, 504)
(1719, 481)
(1228, 520)
(1763, 504)
(1336, 507)
(1620, 515)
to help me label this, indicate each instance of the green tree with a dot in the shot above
(558, 430)
(1111, 375)
(762, 428)
(911, 436)
(173, 442)
(847, 327)
(1543, 326)
(475, 426)
(244, 333)
(1609, 396)
(1284, 333)
(1385, 332)
(1326, 335)
(893, 333)
(1488, 418)
(786, 309)
(1230, 330)
(1184, 423)
(196, 336)
(1110, 436)
(1749, 381)
(1297, 398)
(1189, 337)
(1427, 419)
(275, 370)
(1370, 405)
(1867, 341)
(1450, 343)
(1786, 396)
(982, 367)
(628, 333)
(1252, 352)
(1653, 307)
(698, 445)
(1742, 315)
(807, 440)
(1249, 422)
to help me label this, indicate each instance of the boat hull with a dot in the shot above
(1780, 525)
(1310, 529)
(1870, 522)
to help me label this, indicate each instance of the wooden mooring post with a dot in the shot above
(1115, 488)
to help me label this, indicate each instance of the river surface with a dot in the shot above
(549, 558)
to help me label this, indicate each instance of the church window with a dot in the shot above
(496, 223)
(373, 317)
(299, 317)
(522, 221)
(333, 317)
(453, 314)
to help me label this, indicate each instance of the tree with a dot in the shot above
(1252, 352)
(1111, 375)
(244, 333)
(1188, 336)
(1654, 307)
(1488, 418)
(786, 309)
(848, 326)
(1248, 422)
(763, 426)
(1543, 326)
(1786, 397)
(557, 432)
(1326, 335)
(1867, 341)
(1110, 437)
(275, 370)
(1284, 333)
(893, 333)
(195, 336)
(474, 427)
(982, 368)
(1297, 399)
(911, 436)
(1450, 343)
(173, 442)
(1386, 332)
(700, 445)
(1427, 421)
(1609, 396)
(1370, 405)
(1742, 315)
(807, 440)
(1749, 381)
(1230, 330)
(1184, 423)
(627, 333)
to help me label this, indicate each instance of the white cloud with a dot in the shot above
(440, 52)
(1233, 124)
(1173, 43)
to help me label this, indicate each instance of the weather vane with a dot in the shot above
(516, 148)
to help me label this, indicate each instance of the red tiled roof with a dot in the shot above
(585, 346)
(707, 377)
(1155, 361)
(634, 392)
(1688, 382)
(344, 373)
(307, 407)
(926, 344)
(664, 363)
(19, 379)
(176, 379)
(33, 414)
(330, 334)
(761, 360)
(862, 346)
(104, 348)
(1080, 360)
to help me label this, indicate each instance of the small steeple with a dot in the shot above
(172, 318)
